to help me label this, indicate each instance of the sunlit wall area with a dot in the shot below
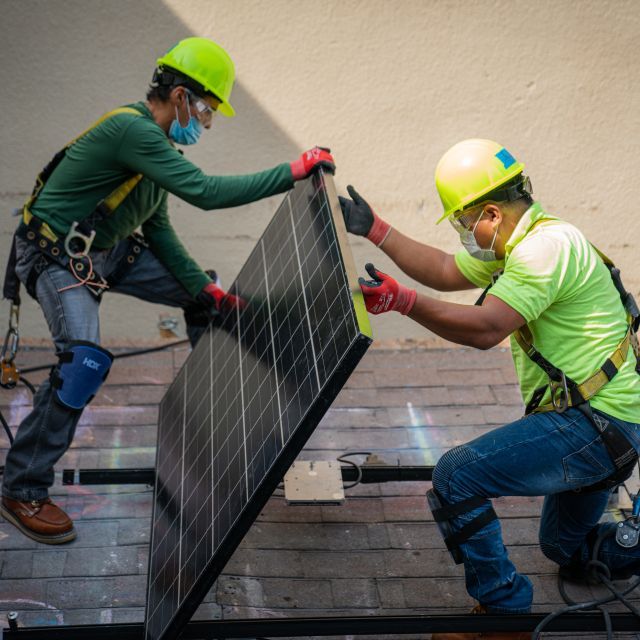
(389, 86)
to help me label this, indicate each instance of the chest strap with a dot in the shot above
(71, 250)
(79, 238)
(566, 392)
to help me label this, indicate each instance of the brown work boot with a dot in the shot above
(40, 520)
(483, 635)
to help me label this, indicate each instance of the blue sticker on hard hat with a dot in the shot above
(506, 158)
(80, 372)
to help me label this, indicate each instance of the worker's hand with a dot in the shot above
(310, 160)
(214, 296)
(383, 293)
(362, 220)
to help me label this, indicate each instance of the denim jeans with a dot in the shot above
(46, 433)
(544, 454)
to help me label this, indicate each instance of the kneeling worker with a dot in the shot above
(76, 240)
(572, 329)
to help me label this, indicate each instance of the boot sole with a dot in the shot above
(59, 538)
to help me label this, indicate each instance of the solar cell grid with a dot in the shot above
(248, 397)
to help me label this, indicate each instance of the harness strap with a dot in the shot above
(471, 528)
(447, 511)
(53, 252)
(45, 174)
(49, 243)
(11, 286)
(133, 253)
(565, 391)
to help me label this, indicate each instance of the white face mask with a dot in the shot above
(469, 242)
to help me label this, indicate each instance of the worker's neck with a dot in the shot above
(162, 112)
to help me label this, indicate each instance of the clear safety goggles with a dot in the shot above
(204, 111)
(464, 220)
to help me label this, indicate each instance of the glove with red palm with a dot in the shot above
(383, 293)
(310, 160)
(215, 296)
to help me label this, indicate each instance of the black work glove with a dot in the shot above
(362, 220)
(358, 215)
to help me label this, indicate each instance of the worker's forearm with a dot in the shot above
(423, 263)
(460, 323)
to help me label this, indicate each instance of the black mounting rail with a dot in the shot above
(331, 626)
(370, 473)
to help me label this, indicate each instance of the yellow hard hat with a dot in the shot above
(471, 169)
(208, 64)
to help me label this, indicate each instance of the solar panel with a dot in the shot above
(249, 396)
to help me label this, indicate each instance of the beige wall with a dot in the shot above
(388, 85)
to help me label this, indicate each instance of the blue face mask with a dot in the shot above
(185, 135)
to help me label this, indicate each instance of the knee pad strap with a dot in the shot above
(444, 512)
(80, 372)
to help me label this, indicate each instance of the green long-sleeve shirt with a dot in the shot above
(125, 145)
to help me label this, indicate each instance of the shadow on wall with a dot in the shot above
(73, 61)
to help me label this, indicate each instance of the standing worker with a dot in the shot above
(572, 328)
(75, 240)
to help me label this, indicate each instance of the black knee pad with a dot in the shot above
(443, 512)
(80, 372)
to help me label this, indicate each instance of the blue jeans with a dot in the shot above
(46, 433)
(544, 454)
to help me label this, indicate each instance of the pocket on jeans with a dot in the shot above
(586, 463)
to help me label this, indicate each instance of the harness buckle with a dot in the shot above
(559, 394)
(635, 346)
(74, 238)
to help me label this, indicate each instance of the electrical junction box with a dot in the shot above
(314, 482)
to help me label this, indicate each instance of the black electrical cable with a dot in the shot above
(599, 571)
(343, 458)
(6, 428)
(27, 384)
(124, 354)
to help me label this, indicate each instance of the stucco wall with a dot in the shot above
(388, 85)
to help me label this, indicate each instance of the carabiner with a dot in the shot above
(559, 394)
(12, 338)
(14, 316)
(9, 374)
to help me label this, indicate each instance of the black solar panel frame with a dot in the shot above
(294, 445)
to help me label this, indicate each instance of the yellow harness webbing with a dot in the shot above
(111, 202)
(590, 387)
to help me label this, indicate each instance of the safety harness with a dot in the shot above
(71, 251)
(565, 393)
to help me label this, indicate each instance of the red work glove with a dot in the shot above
(361, 219)
(214, 296)
(309, 160)
(383, 293)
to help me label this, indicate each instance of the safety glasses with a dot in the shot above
(464, 220)
(204, 111)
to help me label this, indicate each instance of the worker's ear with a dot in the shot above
(177, 95)
(494, 214)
